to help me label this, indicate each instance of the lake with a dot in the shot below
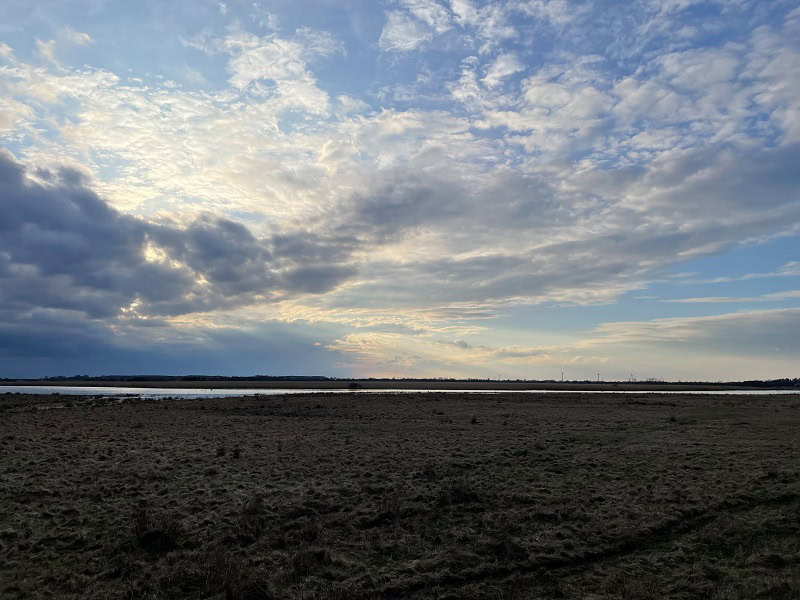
(225, 393)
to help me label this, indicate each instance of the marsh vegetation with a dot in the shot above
(427, 496)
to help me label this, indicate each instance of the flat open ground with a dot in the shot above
(352, 496)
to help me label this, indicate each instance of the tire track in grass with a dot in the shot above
(647, 539)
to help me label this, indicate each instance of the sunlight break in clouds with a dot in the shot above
(459, 188)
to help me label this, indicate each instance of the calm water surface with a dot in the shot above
(224, 393)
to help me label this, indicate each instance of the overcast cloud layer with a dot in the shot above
(421, 187)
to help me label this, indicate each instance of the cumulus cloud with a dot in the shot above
(63, 248)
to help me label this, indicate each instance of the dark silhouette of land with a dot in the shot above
(320, 382)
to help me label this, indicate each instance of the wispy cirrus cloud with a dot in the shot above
(403, 32)
(773, 297)
(749, 333)
(790, 269)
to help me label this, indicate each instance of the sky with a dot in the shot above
(406, 188)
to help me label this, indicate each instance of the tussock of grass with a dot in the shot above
(457, 491)
(228, 573)
(155, 533)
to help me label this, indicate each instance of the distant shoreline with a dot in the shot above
(394, 384)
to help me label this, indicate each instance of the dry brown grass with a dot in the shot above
(505, 497)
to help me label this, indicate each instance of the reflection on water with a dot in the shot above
(224, 393)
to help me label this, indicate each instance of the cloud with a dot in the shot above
(282, 62)
(193, 76)
(348, 104)
(556, 12)
(774, 297)
(276, 60)
(742, 333)
(562, 109)
(465, 11)
(77, 37)
(497, 170)
(396, 188)
(78, 278)
(416, 23)
(574, 249)
(46, 50)
(273, 58)
(13, 114)
(403, 33)
(420, 21)
(504, 65)
(493, 26)
(47, 343)
(380, 353)
(790, 269)
(430, 12)
(63, 248)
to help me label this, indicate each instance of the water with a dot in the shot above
(225, 393)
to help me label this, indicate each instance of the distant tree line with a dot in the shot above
(774, 383)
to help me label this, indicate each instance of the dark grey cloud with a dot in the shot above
(517, 236)
(60, 343)
(74, 271)
(63, 247)
(473, 209)
(400, 200)
(701, 180)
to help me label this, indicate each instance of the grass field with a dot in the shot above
(434, 496)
